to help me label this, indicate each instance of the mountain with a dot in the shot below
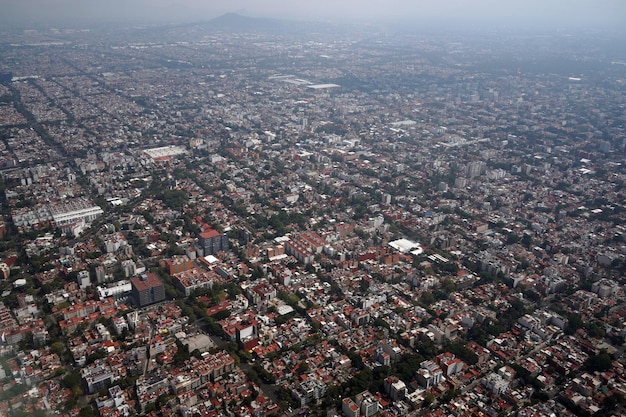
(234, 22)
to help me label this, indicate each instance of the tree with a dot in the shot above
(356, 360)
(182, 353)
(595, 330)
(252, 375)
(600, 362)
(72, 379)
(265, 375)
(429, 398)
(303, 368)
(448, 395)
(57, 347)
(574, 322)
(87, 412)
(427, 298)
(406, 368)
(527, 240)
(612, 401)
(541, 396)
(448, 285)
(459, 350)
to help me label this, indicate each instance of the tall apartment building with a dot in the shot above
(147, 289)
(213, 242)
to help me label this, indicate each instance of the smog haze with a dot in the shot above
(557, 13)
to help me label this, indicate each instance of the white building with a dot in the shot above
(495, 383)
(74, 211)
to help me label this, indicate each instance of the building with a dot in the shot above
(247, 333)
(305, 246)
(429, 375)
(5, 270)
(213, 242)
(100, 272)
(147, 289)
(349, 408)
(129, 267)
(116, 290)
(193, 279)
(395, 388)
(177, 264)
(309, 391)
(262, 293)
(475, 168)
(495, 383)
(367, 404)
(97, 378)
(83, 279)
(450, 364)
(79, 209)
(164, 153)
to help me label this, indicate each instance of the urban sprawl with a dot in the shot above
(200, 222)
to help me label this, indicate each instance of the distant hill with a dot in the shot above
(228, 23)
(237, 23)
(234, 22)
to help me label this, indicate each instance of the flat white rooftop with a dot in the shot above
(322, 86)
(404, 245)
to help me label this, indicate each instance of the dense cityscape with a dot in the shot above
(249, 218)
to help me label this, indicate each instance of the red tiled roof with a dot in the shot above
(209, 234)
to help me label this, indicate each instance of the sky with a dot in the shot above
(551, 12)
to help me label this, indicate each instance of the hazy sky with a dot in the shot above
(559, 12)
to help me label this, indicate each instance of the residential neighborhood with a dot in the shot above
(198, 221)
